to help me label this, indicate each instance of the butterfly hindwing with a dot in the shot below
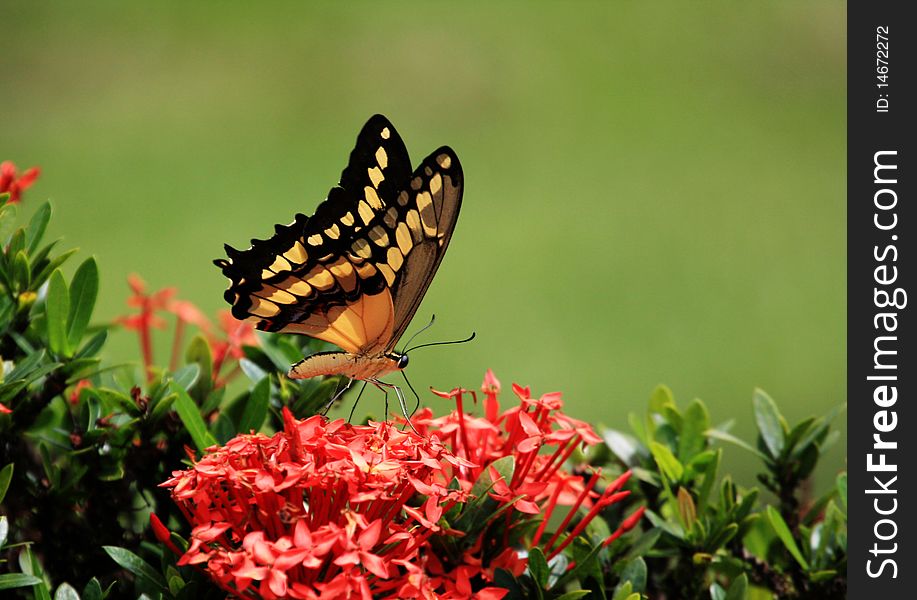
(355, 272)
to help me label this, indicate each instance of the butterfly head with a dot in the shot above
(400, 359)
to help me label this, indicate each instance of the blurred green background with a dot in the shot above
(655, 191)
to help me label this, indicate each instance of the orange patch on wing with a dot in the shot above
(362, 327)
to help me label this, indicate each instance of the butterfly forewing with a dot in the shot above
(355, 272)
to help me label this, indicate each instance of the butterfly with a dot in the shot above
(355, 272)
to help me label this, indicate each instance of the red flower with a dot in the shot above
(330, 510)
(319, 510)
(229, 345)
(15, 186)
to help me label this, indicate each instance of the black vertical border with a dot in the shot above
(871, 131)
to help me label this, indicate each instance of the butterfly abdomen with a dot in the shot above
(344, 363)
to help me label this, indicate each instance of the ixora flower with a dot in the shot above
(15, 184)
(226, 343)
(332, 510)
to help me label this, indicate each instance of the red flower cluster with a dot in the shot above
(9, 182)
(319, 510)
(227, 343)
(330, 510)
(538, 483)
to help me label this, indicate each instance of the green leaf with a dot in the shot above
(538, 567)
(57, 307)
(635, 573)
(136, 565)
(186, 376)
(84, 288)
(251, 370)
(841, 490)
(199, 353)
(94, 345)
(256, 408)
(666, 461)
(574, 595)
(796, 433)
(4, 529)
(738, 589)
(783, 532)
(644, 544)
(37, 226)
(660, 398)
(47, 270)
(709, 477)
(93, 590)
(22, 272)
(717, 592)
(624, 591)
(6, 475)
(66, 592)
(624, 446)
(695, 422)
(719, 434)
(190, 415)
(16, 580)
(771, 423)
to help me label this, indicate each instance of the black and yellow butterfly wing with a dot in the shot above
(356, 271)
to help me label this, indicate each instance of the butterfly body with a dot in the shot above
(354, 273)
(362, 367)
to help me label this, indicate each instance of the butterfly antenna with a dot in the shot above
(421, 330)
(467, 339)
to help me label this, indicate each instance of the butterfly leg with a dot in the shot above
(335, 397)
(400, 395)
(357, 401)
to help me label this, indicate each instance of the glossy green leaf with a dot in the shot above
(136, 565)
(57, 308)
(624, 591)
(191, 417)
(66, 592)
(666, 461)
(717, 592)
(22, 272)
(841, 484)
(719, 434)
(783, 532)
(738, 589)
(691, 440)
(771, 424)
(94, 345)
(252, 371)
(624, 446)
(635, 573)
(186, 376)
(661, 397)
(48, 269)
(6, 475)
(37, 226)
(84, 288)
(538, 567)
(4, 529)
(255, 410)
(199, 353)
(574, 595)
(92, 590)
(9, 581)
